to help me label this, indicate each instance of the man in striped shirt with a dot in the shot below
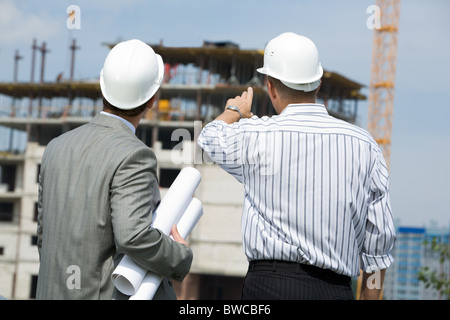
(316, 206)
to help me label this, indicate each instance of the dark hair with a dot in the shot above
(291, 94)
(127, 113)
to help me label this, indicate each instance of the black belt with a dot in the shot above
(299, 268)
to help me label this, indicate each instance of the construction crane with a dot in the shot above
(382, 80)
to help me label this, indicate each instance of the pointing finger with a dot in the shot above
(249, 93)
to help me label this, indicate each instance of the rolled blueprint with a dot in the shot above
(127, 276)
(190, 217)
(148, 287)
(187, 222)
(176, 199)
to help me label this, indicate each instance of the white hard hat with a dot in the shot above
(131, 75)
(294, 60)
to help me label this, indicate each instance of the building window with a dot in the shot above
(168, 141)
(34, 279)
(6, 211)
(167, 176)
(38, 172)
(34, 240)
(35, 212)
(8, 176)
(2, 250)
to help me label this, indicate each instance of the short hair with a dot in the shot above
(127, 113)
(291, 94)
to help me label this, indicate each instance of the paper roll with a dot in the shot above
(176, 199)
(127, 276)
(188, 220)
(148, 287)
(190, 217)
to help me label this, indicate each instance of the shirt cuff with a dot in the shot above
(371, 263)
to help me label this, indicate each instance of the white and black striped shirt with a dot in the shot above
(316, 188)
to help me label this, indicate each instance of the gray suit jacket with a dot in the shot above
(97, 193)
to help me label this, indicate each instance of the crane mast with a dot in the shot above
(382, 83)
(382, 80)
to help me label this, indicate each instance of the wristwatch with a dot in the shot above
(234, 108)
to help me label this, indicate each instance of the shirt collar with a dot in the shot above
(302, 108)
(128, 123)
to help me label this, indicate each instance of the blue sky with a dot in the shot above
(420, 160)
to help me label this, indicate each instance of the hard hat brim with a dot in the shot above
(307, 87)
(263, 71)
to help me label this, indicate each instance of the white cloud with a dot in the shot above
(18, 26)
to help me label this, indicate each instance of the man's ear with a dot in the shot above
(318, 88)
(148, 106)
(271, 88)
(151, 102)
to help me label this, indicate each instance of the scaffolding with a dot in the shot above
(198, 82)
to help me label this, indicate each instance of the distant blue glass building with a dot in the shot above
(410, 254)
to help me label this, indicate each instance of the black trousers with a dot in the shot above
(281, 280)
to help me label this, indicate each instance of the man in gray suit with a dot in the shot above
(98, 190)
